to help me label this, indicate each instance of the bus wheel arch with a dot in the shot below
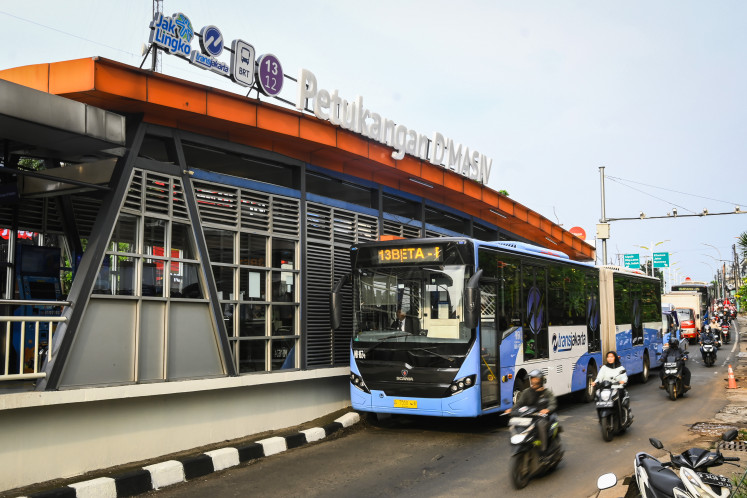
(587, 395)
(521, 382)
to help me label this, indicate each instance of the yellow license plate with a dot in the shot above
(405, 403)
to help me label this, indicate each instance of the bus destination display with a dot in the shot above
(410, 254)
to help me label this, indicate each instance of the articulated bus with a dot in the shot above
(632, 323)
(451, 326)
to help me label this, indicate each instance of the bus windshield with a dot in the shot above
(420, 304)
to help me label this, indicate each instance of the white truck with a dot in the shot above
(687, 300)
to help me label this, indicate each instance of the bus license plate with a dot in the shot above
(405, 403)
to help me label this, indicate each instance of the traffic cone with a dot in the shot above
(732, 380)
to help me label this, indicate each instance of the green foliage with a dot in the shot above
(503, 192)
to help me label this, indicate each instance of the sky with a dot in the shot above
(551, 90)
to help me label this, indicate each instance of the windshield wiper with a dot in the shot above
(448, 358)
(382, 341)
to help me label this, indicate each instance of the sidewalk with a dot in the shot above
(138, 479)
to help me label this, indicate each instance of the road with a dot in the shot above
(414, 456)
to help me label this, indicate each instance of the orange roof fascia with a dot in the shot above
(181, 104)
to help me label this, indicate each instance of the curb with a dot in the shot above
(163, 474)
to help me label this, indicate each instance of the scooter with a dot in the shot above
(527, 460)
(708, 350)
(673, 378)
(725, 331)
(686, 475)
(613, 409)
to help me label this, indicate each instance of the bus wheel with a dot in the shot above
(646, 369)
(519, 385)
(587, 395)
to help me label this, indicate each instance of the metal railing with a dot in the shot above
(26, 340)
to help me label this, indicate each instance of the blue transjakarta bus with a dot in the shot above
(451, 326)
(632, 323)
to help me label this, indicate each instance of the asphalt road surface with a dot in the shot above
(420, 456)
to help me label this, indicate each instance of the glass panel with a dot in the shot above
(283, 320)
(253, 319)
(124, 237)
(228, 313)
(220, 245)
(154, 236)
(252, 355)
(283, 254)
(182, 241)
(152, 282)
(252, 285)
(103, 284)
(123, 275)
(224, 282)
(185, 281)
(253, 250)
(283, 353)
(283, 286)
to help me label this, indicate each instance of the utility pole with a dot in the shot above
(603, 228)
(155, 63)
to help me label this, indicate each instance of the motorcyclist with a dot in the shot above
(613, 371)
(674, 354)
(707, 335)
(715, 327)
(538, 395)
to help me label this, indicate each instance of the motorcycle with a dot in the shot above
(725, 331)
(685, 475)
(527, 460)
(708, 350)
(613, 409)
(673, 378)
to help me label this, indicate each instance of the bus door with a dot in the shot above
(489, 343)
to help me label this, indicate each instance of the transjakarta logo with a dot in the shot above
(351, 115)
(565, 342)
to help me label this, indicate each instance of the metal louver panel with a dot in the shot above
(134, 198)
(344, 227)
(318, 328)
(179, 207)
(157, 190)
(318, 222)
(342, 336)
(431, 233)
(400, 230)
(218, 204)
(285, 216)
(85, 210)
(255, 211)
(367, 228)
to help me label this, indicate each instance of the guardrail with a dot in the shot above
(25, 340)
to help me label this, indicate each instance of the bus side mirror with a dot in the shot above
(335, 302)
(472, 301)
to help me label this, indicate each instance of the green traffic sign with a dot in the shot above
(632, 261)
(661, 260)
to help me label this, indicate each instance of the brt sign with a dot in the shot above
(632, 261)
(661, 260)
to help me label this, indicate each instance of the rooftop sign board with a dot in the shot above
(175, 33)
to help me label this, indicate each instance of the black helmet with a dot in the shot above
(673, 340)
(537, 374)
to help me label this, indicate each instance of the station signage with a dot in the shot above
(661, 260)
(352, 115)
(174, 34)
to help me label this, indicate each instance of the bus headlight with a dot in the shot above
(357, 381)
(460, 385)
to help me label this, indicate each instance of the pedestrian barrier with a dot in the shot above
(732, 381)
